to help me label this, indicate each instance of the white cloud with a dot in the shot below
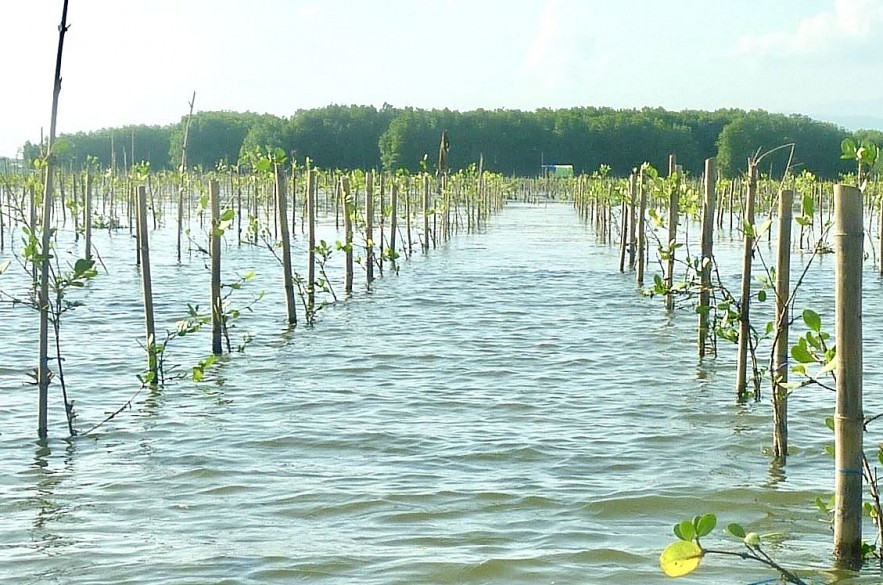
(849, 21)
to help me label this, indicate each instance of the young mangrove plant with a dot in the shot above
(684, 556)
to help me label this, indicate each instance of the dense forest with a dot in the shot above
(508, 141)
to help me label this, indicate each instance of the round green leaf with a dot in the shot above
(736, 530)
(680, 558)
(685, 530)
(705, 524)
(812, 320)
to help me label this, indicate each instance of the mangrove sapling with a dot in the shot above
(684, 556)
(44, 257)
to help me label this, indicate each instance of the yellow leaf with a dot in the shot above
(680, 558)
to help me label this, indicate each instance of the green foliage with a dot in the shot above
(815, 143)
(684, 556)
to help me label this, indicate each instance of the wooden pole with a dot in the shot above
(633, 209)
(146, 285)
(215, 252)
(706, 245)
(369, 226)
(285, 237)
(673, 203)
(783, 305)
(382, 200)
(87, 217)
(425, 212)
(348, 234)
(623, 235)
(393, 218)
(408, 220)
(848, 414)
(311, 238)
(641, 236)
(745, 294)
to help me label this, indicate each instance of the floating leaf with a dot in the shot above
(680, 558)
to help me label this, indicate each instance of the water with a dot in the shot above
(507, 410)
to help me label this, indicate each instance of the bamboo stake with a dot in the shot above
(783, 304)
(706, 244)
(624, 234)
(311, 238)
(642, 244)
(745, 295)
(285, 236)
(87, 219)
(215, 252)
(146, 285)
(369, 226)
(672, 233)
(43, 298)
(382, 218)
(393, 219)
(425, 213)
(408, 221)
(848, 415)
(348, 233)
(633, 234)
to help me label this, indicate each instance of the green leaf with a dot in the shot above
(800, 353)
(736, 530)
(847, 148)
(808, 205)
(705, 524)
(829, 422)
(227, 215)
(812, 320)
(680, 558)
(684, 530)
(761, 296)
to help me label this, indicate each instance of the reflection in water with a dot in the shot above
(777, 473)
(44, 499)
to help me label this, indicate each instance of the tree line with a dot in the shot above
(512, 142)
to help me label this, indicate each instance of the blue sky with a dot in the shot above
(138, 61)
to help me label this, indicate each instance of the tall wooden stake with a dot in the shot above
(641, 236)
(144, 249)
(215, 251)
(706, 245)
(783, 305)
(348, 233)
(46, 241)
(311, 238)
(745, 295)
(673, 203)
(369, 226)
(848, 414)
(285, 236)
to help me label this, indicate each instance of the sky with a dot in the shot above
(139, 61)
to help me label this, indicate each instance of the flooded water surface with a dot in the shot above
(507, 410)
